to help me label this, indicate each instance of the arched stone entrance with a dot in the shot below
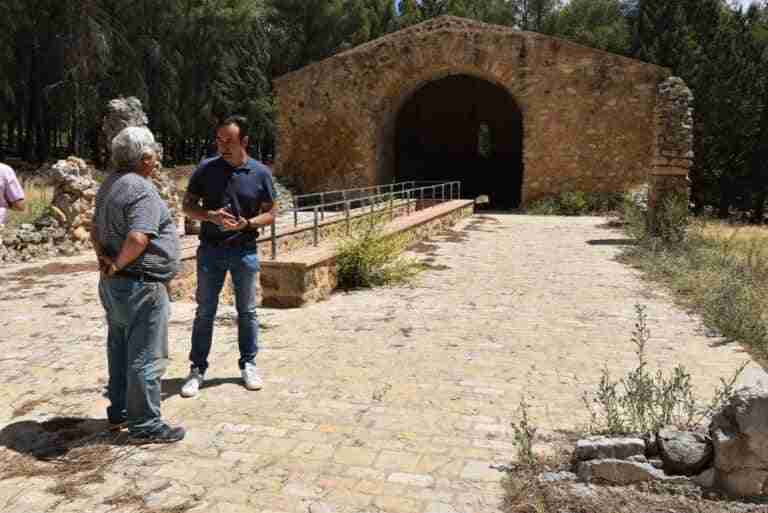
(559, 116)
(463, 128)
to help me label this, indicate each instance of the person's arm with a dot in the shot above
(14, 193)
(142, 218)
(133, 246)
(101, 259)
(268, 214)
(268, 208)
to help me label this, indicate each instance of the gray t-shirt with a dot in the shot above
(128, 202)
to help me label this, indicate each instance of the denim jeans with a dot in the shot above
(212, 266)
(137, 349)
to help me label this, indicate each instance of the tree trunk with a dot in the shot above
(723, 210)
(758, 206)
(92, 138)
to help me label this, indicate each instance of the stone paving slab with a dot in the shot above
(391, 400)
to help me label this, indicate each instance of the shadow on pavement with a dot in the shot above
(55, 437)
(612, 242)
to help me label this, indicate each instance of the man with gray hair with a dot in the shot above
(138, 253)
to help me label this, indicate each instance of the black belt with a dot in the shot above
(226, 243)
(137, 277)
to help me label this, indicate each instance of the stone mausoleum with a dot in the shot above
(514, 115)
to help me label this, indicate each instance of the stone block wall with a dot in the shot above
(589, 117)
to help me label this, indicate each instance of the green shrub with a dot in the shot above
(576, 203)
(644, 401)
(544, 207)
(367, 258)
(670, 218)
(525, 435)
(633, 212)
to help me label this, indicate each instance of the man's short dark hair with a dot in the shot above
(240, 121)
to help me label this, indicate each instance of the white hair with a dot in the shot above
(130, 145)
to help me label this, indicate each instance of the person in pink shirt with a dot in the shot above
(11, 193)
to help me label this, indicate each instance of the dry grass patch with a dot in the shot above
(62, 450)
(38, 197)
(526, 493)
(719, 271)
(136, 502)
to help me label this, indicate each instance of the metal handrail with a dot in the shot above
(448, 191)
(321, 194)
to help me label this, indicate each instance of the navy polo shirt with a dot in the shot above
(216, 181)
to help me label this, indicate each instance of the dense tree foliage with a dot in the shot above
(192, 61)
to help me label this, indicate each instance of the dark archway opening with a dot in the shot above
(463, 128)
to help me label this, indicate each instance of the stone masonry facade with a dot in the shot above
(673, 148)
(589, 117)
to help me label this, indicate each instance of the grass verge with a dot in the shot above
(718, 270)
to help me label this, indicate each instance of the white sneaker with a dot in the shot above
(251, 377)
(193, 383)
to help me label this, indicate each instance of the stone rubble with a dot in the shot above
(733, 458)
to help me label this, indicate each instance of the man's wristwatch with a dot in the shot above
(250, 225)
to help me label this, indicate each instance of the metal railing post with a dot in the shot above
(273, 232)
(407, 202)
(459, 184)
(322, 204)
(373, 209)
(346, 215)
(315, 233)
(391, 206)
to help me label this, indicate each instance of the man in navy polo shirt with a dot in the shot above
(232, 194)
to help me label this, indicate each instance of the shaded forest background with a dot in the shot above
(192, 61)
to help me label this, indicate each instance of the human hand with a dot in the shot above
(233, 226)
(107, 265)
(221, 217)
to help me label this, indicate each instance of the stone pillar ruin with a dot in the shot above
(121, 113)
(124, 112)
(673, 147)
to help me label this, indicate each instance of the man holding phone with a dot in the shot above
(233, 195)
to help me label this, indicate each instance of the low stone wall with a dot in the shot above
(309, 275)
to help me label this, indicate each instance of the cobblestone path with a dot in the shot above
(391, 400)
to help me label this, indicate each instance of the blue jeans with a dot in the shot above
(137, 349)
(212, 266)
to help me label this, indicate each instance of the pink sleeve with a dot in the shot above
(13, 190)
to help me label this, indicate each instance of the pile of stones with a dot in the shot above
(730, 457)
(63, 229)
